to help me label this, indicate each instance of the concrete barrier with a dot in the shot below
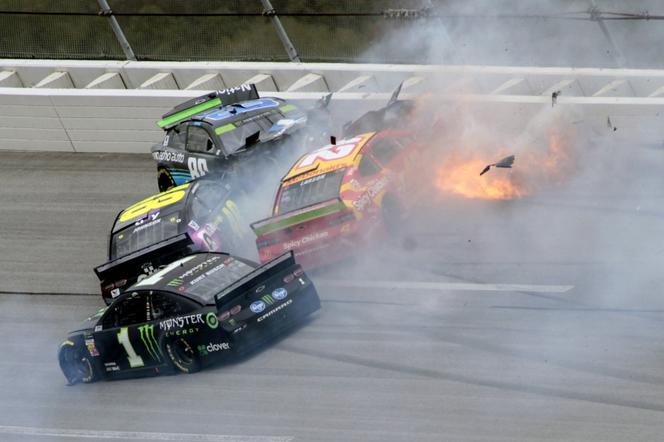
(102, 106)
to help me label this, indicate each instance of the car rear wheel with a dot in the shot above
(164, 179)
(75, 364)
(183, 355)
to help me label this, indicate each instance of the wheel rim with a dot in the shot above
(183, 352)
(78, 366)
(164, 180)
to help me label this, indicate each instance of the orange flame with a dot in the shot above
(459, 173)
(463, 178)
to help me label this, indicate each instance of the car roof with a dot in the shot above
(327, 158)
(232, 114)
(178, 197)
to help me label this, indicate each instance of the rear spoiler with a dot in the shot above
(279, 222)
(255, 277)
(129, 265)
(204, 102)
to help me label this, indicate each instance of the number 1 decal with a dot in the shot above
(135, 360)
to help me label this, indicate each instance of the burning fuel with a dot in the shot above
(537, 167)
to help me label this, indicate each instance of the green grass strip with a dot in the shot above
(189, 112)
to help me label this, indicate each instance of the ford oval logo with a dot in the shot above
(257, 306)
(279, 293)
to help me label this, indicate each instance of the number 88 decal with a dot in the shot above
(154, 202)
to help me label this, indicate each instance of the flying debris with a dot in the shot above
(554, 97)
(505, 163)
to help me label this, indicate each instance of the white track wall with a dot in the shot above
(113, 106)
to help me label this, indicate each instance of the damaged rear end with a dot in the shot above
(266, 302)
(118, 274)
(317, 234)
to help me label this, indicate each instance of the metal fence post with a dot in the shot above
(117, 30)
(595, 15)
(269, 11)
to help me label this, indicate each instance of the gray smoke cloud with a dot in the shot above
(590, 205)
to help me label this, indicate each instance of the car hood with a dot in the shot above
(89, 323)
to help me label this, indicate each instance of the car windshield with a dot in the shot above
(140, 235)
(313, 190)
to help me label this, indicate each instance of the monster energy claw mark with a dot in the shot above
(149, 341)
(177, 282)
(267, 299)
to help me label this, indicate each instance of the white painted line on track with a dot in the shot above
(135, 435)
(450, 286)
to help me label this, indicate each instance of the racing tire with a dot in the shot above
(164, 179)
(183, 355)
(75, 364)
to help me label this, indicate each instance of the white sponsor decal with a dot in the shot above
(111, 366)
(371, 192)
(206, 274)
(275, 310)
(199, 267)
(145, 226)
(232, 90)
(211, 348)
(330, 152)
(160, 274)
(181, 322)
(295, 244)
(197, 167)
(172, 157)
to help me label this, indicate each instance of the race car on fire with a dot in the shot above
(224, 131)
(339, 197)
(199, 310)
(198, 216)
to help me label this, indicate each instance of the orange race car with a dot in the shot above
(339, 197)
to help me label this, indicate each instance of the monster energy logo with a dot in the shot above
(149, 341)
(267, 299)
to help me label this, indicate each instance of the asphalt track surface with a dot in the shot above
(539, 319)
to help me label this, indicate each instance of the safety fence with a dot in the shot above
(505, 32)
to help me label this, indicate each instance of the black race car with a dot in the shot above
(199, 310)
(198, 216)
(394, 115)
(219, 132)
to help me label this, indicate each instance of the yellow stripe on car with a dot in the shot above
(154, 202)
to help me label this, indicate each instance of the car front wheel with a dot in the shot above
(75, 364)
(164, 179)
